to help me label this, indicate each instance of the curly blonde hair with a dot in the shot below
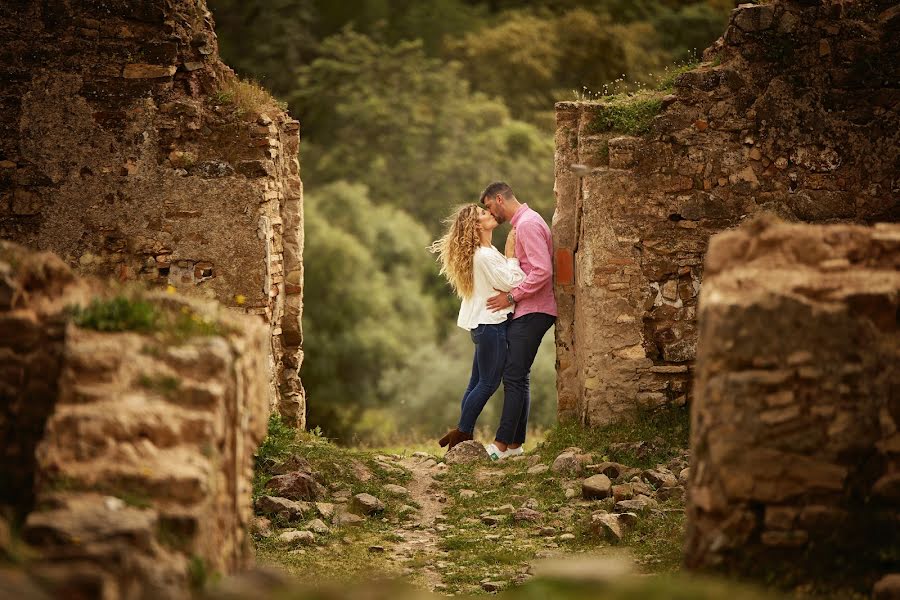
(457, 247)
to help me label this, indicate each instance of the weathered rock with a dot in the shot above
(659, 478)
(637, 504)
(325, 510)
(613, 470)
(467, 452)
(567, 462)
(610, 527)
(622, 492)
(538, 469)
(527, 514)
(468, 494)
(297, 538)
(318, 526)
(887, 588)
(491, 520)
(296, 485)
(634, 214)
(290, 510)
(367, 504)
(344, 518)
(396, 490)
(781, 476)
(596, 486)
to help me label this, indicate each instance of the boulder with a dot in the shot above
(367, 504)
(660, 478)
(567, 462)
(467, 452)
(297, 538)
(296, 485)
(289, 510)
(596, 486)
(526, 514)
(396, 490)
(637, 504)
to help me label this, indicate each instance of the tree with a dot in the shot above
(365, 309)
(410, 129)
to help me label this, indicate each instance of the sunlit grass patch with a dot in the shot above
(665, 432)
(631, 114)
(247, 97)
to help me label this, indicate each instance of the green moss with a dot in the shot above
(631, 114)
(667, 81)
(134, 313)
(118, 314)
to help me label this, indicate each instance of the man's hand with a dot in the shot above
(498, 302)
(510, 250)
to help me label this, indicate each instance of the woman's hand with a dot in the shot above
(511, 244)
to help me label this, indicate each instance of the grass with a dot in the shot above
(631, 114)
(667, 79)
(247, 98)
(134, 313)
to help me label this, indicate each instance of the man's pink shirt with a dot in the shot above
(534, 249)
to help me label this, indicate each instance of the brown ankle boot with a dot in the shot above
(453, 437)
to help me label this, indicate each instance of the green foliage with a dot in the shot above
(117, 314)
(409, 108)
(134, 313)
(666, 430)
(409, 128)
(631, 113)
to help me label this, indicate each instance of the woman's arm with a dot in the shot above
(502, 273)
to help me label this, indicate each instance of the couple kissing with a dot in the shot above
(507, 305)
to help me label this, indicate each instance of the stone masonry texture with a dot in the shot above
(793, 111)
(131, 151)
(128, 455)
(795, 427)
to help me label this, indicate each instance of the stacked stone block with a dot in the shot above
(133, 452)
(795, 428)
(794, 111)
(130, 150)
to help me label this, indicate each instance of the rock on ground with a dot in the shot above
(367, 504)
(596, 486)
(297, 485)
(467, 452)
(297, 538)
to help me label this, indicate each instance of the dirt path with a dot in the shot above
(417, 547)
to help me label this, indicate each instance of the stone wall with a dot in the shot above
(130, 150)
(128, 455)
(795, 428)
(794, 110)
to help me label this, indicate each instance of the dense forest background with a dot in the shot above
(408, 108)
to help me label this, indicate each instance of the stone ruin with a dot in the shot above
(127, 455)
(794, 111)
(130, 150)
(795, 429)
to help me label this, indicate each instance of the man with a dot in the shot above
(535, 312)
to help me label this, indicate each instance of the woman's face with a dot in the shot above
(486, 220)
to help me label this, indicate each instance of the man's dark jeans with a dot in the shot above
(487, 369)
(524, 335)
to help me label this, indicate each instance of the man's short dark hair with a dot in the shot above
(498, 187)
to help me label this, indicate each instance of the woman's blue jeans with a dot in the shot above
(487, 371)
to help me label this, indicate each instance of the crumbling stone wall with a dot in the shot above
(130, 150)
(794, 110)
(795, 428)
(127, 455)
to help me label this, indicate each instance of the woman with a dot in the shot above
(475, 269)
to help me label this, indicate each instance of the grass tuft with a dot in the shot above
(247, 98)
(631, 114)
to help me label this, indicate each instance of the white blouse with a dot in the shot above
(492, 271)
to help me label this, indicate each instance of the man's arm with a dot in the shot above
(534, 247)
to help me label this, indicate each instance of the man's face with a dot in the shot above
(495, 206)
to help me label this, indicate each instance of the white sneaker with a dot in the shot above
(510, 452)
(494, 452)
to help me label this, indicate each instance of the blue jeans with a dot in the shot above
(487, 370)
(525, 334)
